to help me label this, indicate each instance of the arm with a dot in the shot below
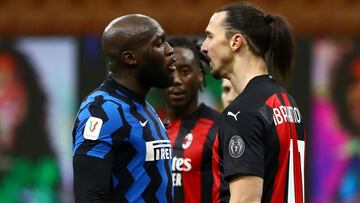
(243, 152)
(246, 189)
(92, 179)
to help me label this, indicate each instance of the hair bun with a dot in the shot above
(268, 19)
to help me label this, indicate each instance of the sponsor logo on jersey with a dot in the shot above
(236, 146)
(179, 165)
(92, 128)
(158, 150)
(229, 113)
(187, 141)
(143, 123)
(286, 114)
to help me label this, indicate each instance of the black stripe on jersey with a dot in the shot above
(299, 126)
(121, 170)
(169, 188)
(224, 186)
(76, 124)
(185, 128)
(178, 191)
(155, 121)
(167, 169)
(149, 194)
(207, 178)
(286, 192)
(95, 110)
(281, 99)
(208, 113)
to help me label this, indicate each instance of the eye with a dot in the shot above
(226, 89)
(160, 41)
(184, 71)
(209, 35)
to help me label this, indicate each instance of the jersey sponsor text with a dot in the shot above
(179, 164)
(158, 150)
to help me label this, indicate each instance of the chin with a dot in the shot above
(178, 105)
(162, 83)
(216, 74)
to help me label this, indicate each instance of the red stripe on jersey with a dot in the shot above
(296, 159)
(173, 130)
(216, 171)
(193, 180)
(289, 170)
(284, 130)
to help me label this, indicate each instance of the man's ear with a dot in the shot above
(129, 57)
(236, 41)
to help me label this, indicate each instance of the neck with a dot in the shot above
(130, 81)
(182, 111)
(245, 68)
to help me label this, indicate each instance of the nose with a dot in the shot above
(169, 49)
(177, 79)
(204, 46)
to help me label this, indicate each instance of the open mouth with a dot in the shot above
(176, 95)
(171, 65)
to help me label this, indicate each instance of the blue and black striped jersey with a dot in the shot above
(117, 125)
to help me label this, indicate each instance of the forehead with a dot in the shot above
(155, 30)
(216, 23)
(183, 55)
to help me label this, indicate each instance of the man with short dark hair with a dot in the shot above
(192, 127)
(121, 149)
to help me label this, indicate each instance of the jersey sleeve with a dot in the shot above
(95, 128)
(92, 179)
(242, 144)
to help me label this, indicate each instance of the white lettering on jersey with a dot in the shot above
(176, 179)
(179, 165)
(92, 128)
(286, 114)
(158, 150)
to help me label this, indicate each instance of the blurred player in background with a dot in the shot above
(228, 93)
(191, 126)
(28, 168)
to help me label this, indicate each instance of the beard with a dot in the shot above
(155, 73)
(215, 72)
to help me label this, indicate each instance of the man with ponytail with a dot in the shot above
(261, 133)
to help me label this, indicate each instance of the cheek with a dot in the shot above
(219, 50)
(191, 85)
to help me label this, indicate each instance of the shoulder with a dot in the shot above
(101, 106)
(209, 113)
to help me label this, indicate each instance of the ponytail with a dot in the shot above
(281, 50)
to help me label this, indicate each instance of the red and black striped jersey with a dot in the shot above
(261, 133)
(220, 190)
(192, 139)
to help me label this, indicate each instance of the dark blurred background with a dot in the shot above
(50, 58)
